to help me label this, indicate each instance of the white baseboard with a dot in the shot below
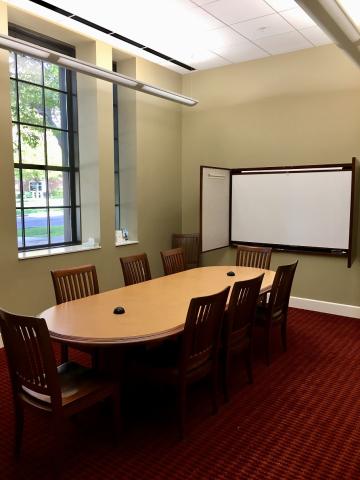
(325, 307)
(315, 306)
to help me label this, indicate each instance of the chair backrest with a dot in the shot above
(31, 360)
(280, 290)
(135, 269)
(248, 256)
(173, 260)
(190, 242)
(75, 282)
(242, 307)
(201, 336)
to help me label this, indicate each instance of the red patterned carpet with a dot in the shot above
(300, 420)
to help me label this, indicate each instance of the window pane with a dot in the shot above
(15, 139)
(36, 228)
(13, 97)
(34, 188)
(17, 187)
(57, 147)
(32, 145)
(29, 69)
(54, 76)
(19, 229)
(60, 225)
(31, 104)
(12, 64)
(59, 189)
(55, 109)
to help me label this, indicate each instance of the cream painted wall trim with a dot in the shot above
(325, 307)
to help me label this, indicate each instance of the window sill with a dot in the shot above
(46, 252)
(126, 242)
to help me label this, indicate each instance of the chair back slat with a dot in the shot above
(280, 291)
(173, 260)
(30, 356)
(74, 283)
(135, 269)
(241, 309)
(190, 243)
(257, 257)
(201, 337)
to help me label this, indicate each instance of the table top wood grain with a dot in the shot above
(153, 309)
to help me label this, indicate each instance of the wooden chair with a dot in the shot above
(135, 269)
(238, 326)
(71, 284)
(276, 310)
(58, 392)
(258, 257)
(190, 242)
(173, 260)
(197, 353)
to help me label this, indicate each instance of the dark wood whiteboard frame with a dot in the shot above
(354, 209)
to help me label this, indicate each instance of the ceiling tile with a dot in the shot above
(241, 52)
(212, 61)
(263, 27)
(283, 43)
(298, 18)
(316, 36)
(204, 2)
(230, 11)
(280, 5)
(220, 37)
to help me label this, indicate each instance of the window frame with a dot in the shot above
(71, 169)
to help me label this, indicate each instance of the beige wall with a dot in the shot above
(299, 108)
(25, 286)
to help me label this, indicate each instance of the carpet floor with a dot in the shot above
(299, 420)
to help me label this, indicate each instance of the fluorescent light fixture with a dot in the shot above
(26, 48)
(339, 16)
(95, 71)
(158, 92)
(334, 20)
(14, 44)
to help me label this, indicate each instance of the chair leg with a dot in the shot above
(226, 376)
(214, 389)
(64, 353)
(181, 405)
(268, 345)
(19, 428)
(59, 441)
(284, 336)
(248, 365)
(116, 414)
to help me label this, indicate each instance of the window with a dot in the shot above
(116, 154)
(45, 139)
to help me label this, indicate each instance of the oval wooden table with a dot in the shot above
(154, 309)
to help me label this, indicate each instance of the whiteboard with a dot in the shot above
(215, 208)
(306, 209)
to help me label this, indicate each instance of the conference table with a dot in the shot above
(154, 309)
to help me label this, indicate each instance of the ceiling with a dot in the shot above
(201, 34)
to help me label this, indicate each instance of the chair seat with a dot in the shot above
(76, 381)
(262, 313)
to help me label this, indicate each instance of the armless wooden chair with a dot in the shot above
(238, 326)
(58, 392)
(190, 242)
(173, 260)
(71, 284)
(135, 269)
(258, 257)
(197, 354)
(276, 310)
